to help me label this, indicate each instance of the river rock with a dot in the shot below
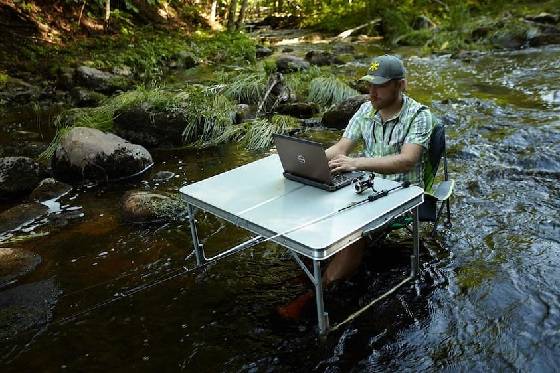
(263, 51)
(242, 113)
(541, 39)
(543, 18)
(298, 109)
(82, 97)
(288, 63)
(422, 22)
(183, 60)
(142, 124)
(15, 263)
(99, 81)
(344, 48)
(19, 175)
(26, 306)
(65, 78)
(49, 189)
(17, 91)
(510, 40)
(145, 207)
(122, 70)
(339, 116)
(87, 153)
(20, 215)
(321, 58)
(163, 176)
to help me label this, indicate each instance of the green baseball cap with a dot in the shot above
(383, 69)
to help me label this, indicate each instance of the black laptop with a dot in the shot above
(305, 161)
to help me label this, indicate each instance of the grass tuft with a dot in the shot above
(326, 91)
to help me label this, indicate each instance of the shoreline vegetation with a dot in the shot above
(102, 57)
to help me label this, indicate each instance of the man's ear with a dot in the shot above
(404, 85)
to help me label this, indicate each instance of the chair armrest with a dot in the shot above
(443, 190)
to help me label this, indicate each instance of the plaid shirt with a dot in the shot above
(413, 125)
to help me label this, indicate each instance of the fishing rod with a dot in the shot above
(252, 242)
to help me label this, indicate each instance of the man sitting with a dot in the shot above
(395, 130)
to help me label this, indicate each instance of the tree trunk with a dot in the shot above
(231, 15)
(107, 13)
(213, 12)
(241, 17)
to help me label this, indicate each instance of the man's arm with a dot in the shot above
(392, 164)
(342, 147)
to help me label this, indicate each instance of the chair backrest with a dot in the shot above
(435, 152)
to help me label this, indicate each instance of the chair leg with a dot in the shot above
(448, 223)
(438, 215)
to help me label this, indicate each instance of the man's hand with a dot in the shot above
(342, 163)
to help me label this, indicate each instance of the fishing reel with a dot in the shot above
(363, 183)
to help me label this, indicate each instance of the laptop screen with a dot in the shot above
(303, 158)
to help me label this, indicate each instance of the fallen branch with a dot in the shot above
(347, 33)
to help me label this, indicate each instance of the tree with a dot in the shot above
(107, 13)
(241, 17)
(231, 15)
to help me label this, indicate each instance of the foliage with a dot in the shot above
(329, 90)
(223, 47)
(206, 114)
(298, 82)
(247, 88)
(259, 133)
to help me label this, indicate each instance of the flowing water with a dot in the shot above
(110, 295)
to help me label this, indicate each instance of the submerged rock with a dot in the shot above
(15, 263)
(145, 207)
(289, 63)
(163, 176)
(339, 116)
(18, 175)
(26, 306)
(49, 189)
(20, 215)
(87, 153)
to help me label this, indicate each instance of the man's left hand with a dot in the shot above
(342, 163)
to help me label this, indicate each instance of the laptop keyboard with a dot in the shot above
(339, 178)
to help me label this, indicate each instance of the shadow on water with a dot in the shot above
(111, 295)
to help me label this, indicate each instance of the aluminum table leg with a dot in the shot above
(415, 258)
(322, 316)
(198, 249)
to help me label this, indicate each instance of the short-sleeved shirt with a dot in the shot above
(412, 125)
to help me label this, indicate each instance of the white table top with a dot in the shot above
(257, 197)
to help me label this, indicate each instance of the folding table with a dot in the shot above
(304, 219)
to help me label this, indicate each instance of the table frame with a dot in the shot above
(296, 249)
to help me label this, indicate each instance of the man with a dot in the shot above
(395, 131)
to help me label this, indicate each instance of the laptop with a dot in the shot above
(305, 161)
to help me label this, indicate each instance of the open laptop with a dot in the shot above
(305, 161)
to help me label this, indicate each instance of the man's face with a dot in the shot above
(384, 95)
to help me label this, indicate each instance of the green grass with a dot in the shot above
(329, 90)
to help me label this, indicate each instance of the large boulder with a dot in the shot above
(21, 215)
(18, 175)
(288, 63)
(100, 81)
(147, 207)
(87, 153)
(339, 116)
(546, 18)
(145, 125)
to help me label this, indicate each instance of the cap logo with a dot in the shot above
(374, 66)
